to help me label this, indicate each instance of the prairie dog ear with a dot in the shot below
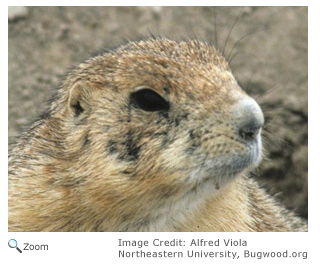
(79, 98)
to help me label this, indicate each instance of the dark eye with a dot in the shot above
(149, 100)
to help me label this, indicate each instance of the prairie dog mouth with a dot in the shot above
(226, 167)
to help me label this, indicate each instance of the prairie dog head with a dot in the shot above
(155, 120)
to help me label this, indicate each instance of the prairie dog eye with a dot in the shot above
(150, 101)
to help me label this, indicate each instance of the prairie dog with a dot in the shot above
(153, 136)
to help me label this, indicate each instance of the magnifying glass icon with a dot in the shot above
(14, 244)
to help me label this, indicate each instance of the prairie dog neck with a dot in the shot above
(227, 211)
(200, 211)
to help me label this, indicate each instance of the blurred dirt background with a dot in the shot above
(271, 64)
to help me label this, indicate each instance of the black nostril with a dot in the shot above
(249, 119)
(249, 132)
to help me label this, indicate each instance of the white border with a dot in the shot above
(101, 247)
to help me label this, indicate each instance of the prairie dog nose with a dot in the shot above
(249, 118)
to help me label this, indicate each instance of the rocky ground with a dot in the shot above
(271, 64)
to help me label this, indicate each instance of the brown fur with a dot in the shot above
(95, 162)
